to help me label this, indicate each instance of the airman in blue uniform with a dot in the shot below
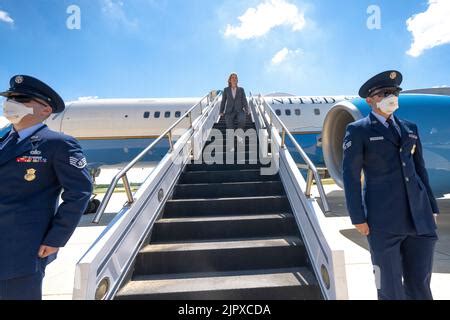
(392, 204)
(36, 164)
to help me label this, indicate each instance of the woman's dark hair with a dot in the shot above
(229, 78)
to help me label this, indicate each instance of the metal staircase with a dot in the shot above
(202, 229)
(226, 233)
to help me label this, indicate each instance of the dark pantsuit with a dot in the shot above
(231, 117)
(402, 256)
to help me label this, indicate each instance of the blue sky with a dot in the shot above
(176, 48)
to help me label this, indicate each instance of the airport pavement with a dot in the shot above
(58, 283)
(60, 274)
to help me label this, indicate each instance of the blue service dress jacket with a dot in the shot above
(33, 174)
(396, 196)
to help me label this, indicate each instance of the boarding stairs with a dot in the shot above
(202, 229)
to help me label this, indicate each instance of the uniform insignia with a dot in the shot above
(413, 150)
(393, 75)
(347, 145)
(35, 153)
(31, 175)
(28, 159)
(18, 79)
(78, 163)
(376, 138)
(413, 136)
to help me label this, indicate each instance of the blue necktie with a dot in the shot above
(393, 130)
(10, 142)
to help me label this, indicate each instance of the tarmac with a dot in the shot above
(59, 279)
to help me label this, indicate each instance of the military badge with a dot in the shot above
(31, 175)
(35, 153)
(393, 75)
(347, 145)
(18, 79)
(78, 163)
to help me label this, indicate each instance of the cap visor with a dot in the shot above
(6, 93)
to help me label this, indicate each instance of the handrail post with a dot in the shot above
(190, 120)
(128, 191)
(309, 181)
(169, 135)
(322, 193)
(283, 139)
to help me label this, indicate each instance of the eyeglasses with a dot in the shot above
(386, 93)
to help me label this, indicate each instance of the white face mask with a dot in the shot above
(15, 111)
(388, 105)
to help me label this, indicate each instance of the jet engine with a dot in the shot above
(430, 113)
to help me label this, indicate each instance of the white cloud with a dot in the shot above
(87, 98)
(256, 22)
(284, 55)
(430, 28)
(115, 11)
(4, 16)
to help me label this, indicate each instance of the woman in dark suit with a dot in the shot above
(234, 104)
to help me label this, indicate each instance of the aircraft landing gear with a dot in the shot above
(93, 206)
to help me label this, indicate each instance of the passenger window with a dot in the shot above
(288, 112)
(177, 114)
(157, 114)
(167, 114)
(317, 112)
(278, 112)
(146, 115)
(298, 112)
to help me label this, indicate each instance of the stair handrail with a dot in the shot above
(263, 107)
(210, 101)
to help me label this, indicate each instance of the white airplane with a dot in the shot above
(114, 131)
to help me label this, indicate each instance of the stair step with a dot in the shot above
(281, 284)
(230, 189)
(222, 144)
(224, 227)
(240, 254)
(226, 206)
(221, 167)
(223, 130)
(225, 176)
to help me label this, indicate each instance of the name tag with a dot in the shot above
(413, 136)
(28, 159)
(376, 138)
